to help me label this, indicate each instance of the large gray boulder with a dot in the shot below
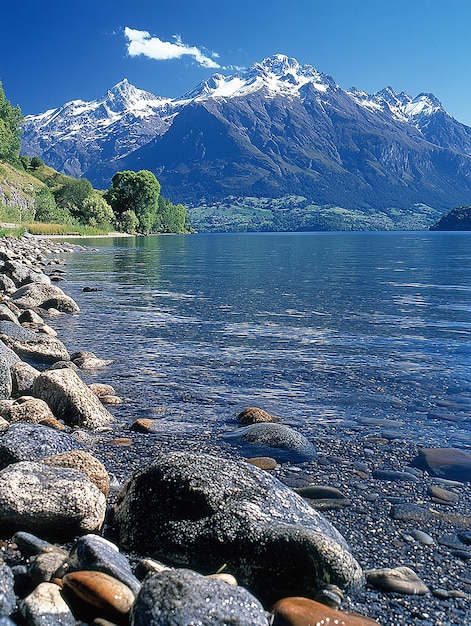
(45, 500)
(37, 347)
(7, 359)
(182, 597)
(31, 442)
(45, 297)
(22, 274)
(276, 440)
(201, 511)
(22, 378)
(71, 399)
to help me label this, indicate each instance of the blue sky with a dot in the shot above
(52, 52)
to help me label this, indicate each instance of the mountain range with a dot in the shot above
(275, 130)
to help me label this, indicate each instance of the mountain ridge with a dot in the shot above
(275, 129)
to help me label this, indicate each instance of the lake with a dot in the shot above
(336, 330)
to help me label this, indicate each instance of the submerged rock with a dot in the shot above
(275, 440)
(254, 415)
(451, 463)
(201, 511)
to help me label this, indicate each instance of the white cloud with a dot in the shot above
(141, 42)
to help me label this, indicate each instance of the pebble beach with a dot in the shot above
(104, 521)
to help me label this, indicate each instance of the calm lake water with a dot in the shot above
(342, 329)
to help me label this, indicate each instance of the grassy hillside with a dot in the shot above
(17, 194)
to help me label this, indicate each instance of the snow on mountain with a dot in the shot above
(276, 128)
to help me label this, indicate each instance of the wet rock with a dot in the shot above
(276, 440)
(298, 611)
(44, 566)
(101, 594)
(450, 463)
(70, 399)
(30, 442)
(22, 378)
(45, 605)
(7, 591)
(44, 500)
(397, 579)
(88, 360)
(200, 511)
(84, 462)
(95, 553)
(44, 297)
(254, 415)
(30, 545)
(182, 597)
(142, 425)
(22, 274)
(100, 389)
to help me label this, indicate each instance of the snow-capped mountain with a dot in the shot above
(277, 128)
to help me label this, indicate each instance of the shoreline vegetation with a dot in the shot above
(100, 520)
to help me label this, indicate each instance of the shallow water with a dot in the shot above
(318, 328)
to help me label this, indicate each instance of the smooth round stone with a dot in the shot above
(30, 545)
(298, 611)
(229, 579)
(397, 579)
(84, 462)
(109, 399)
(263, 462)
(324, 497)
(422, 537)
(142, 425)
(100, 389)
(254, 415)
(110, 597)
(44, 566)
(449, 463)
(120, 442)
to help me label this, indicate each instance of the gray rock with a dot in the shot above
(7, 359)
(276, 440)
(45, 297)
(45, 605)
(395, 476)
(30, 545)
(7, 592)
(182, 597)
(43, 566)
(30, 317)
(71, 399)
(200, 511)
(95, 553)
(44, 500)
(31, 410)
(39, 347)
(31, 442)
(15, 331)
(22, 378)
(22, 274)
(7, 314)
(323, 497)
(6, 284)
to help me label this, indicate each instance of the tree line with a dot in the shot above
(132, 204)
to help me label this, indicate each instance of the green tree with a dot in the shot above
(36, 162)
(171, 218)
(25, 161)
(10, 124)
(47, 210)
(128, 222)
(97, 212)
(138, 192)
(71, 193)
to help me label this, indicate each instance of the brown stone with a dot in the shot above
(121, 441)
(84, 462)
(263, 462)
(110, 597)
(298, 611)
(397, 579)
(142, 425)
(444, 495)
(52, 422)
(31, 410)
(110, 399)
(254, 415)
(100, 389)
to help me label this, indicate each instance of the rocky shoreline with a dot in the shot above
(102, 523)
